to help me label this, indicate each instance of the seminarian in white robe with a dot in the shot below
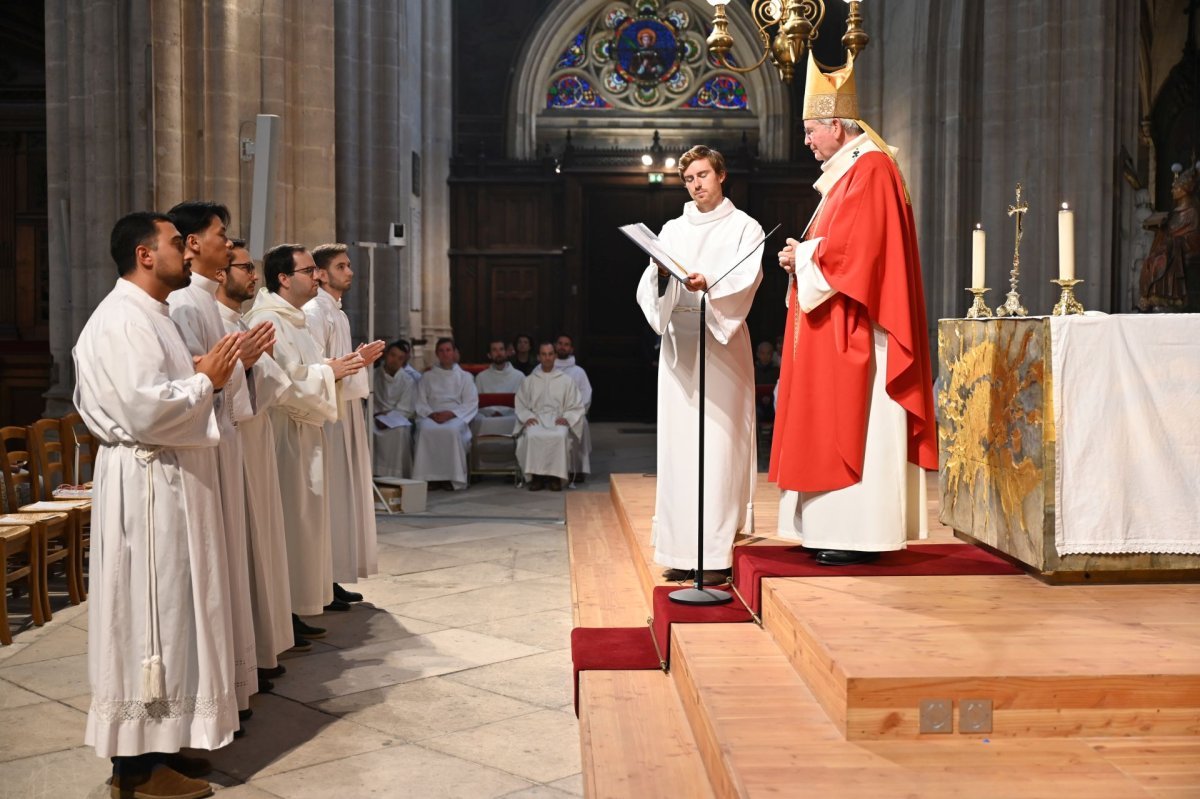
(581, 458)
(351, 498)
(298, 421)
(270, 596)
(708, 243)
(441, 453)
(496, 419)
(545, 448)
(194, 311)
(395, 398)
(158, 577)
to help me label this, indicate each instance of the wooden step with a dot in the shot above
(1053, 661)
(635, 738)
(605, 591)
(761, 732)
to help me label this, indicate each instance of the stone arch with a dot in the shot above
(527, 94)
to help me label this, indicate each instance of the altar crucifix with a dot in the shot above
(1012, 306)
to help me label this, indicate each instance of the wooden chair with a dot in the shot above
(47, 450)
(494, 452)
(19, 550)
(17, 467)
(55, 538)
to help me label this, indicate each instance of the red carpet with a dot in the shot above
(611, 649)
(752, 563)
(667, 613)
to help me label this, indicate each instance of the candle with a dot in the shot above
(978, 246)
(1066, 243)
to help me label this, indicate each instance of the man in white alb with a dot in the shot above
(194, 310)
(495, 418)
(298, 421)
(549, 422)
(395, 406)
(270, 600)
(564, 349)
(160, 635)
(351, 499)
(709, 238)
(446, 403)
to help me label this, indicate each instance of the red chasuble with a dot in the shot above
(869, 256)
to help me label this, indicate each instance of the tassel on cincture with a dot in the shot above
(154, 680)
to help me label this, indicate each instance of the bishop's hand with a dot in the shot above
(696, 282)
(787, 256)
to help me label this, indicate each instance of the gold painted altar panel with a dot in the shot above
(996, 433)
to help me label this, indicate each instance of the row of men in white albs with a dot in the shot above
(232, 489)
(440, 409)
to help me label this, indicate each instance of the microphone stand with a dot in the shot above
(698, 594)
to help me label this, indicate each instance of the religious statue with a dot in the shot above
(1175, 253)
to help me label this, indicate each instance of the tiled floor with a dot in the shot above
(452, 679)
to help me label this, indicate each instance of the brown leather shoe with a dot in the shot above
(160, 782)
(537, 483)
(554, 484)
(715, 576)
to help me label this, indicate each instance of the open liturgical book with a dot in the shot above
(653, 246)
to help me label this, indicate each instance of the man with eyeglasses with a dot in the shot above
(351, 498)
(194, 310)
(298, 421)
(270, 600)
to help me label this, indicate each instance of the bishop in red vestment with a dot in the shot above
(854, 425)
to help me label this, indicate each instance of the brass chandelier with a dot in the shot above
(796, 23)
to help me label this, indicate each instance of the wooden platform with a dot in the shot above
(1065, 661)
(757, 710)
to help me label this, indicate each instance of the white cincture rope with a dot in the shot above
(154, 681)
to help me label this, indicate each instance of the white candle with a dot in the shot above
(978, 248)
(1066, 243)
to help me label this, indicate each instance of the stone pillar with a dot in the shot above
(97, 96)
(146, 104)
(436, 144)
(372, 153)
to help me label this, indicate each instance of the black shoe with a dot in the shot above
(537, 483)
(338, 606)
(715, 576)
(554, 484)
(239, 732)
(678, 575)
(244, 715)
(265, 686)
(844, 557)
(194, 767)
(301, 645)
(300, 628)
(346, 596)
(269, 674)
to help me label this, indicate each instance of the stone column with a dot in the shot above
(98, 135)
(436, 134)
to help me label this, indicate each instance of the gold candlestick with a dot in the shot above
(1067, 304)
(978, 309)
(1012, 306)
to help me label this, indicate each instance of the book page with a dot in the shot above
(652, 245)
